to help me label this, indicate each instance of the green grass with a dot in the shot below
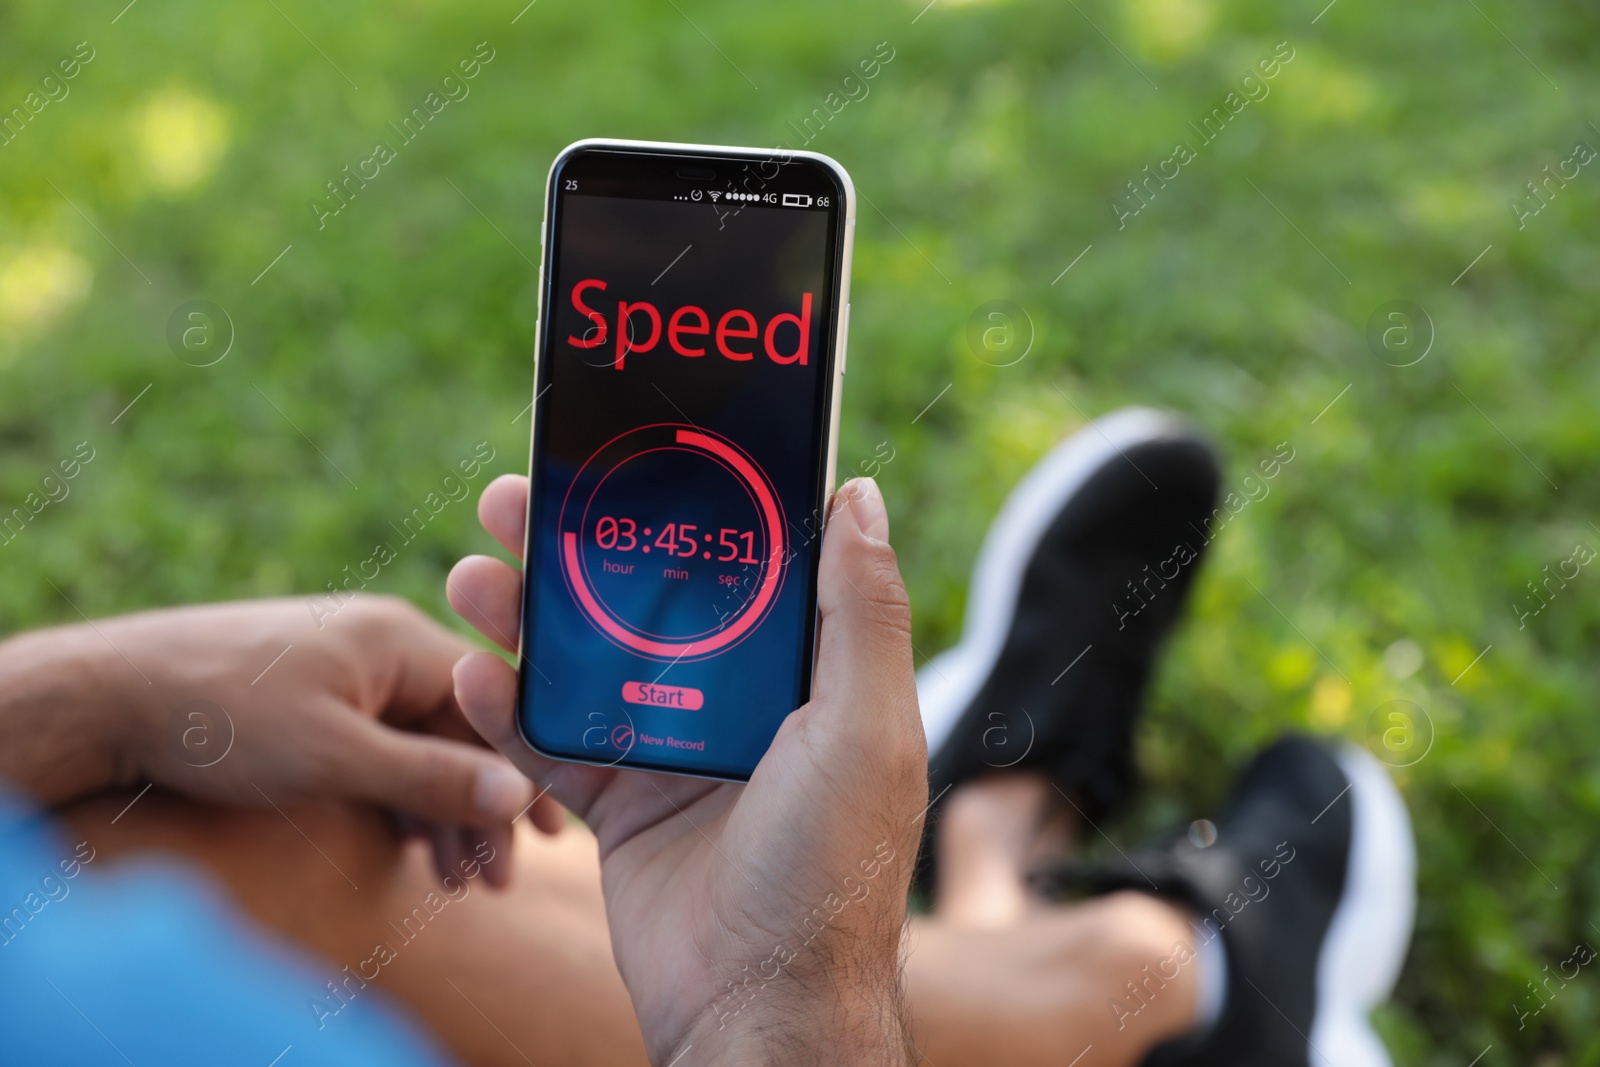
(398, 337)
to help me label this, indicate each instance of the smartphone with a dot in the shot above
(693, 304)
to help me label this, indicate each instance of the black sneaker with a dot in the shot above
(1080, 576)
(1310, 881)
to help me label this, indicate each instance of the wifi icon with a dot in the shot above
(713, 194)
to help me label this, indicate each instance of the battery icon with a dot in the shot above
(796, 200)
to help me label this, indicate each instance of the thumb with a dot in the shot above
(864, 666)
(433, 778)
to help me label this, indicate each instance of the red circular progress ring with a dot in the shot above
(740, 625)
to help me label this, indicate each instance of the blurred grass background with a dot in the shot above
(1389, 554)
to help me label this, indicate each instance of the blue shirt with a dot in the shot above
(146, 965)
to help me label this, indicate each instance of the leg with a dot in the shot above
(995, 976)
(526, 974)
(1046, 686)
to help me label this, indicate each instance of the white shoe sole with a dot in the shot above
(1371, 929)
(950, 681)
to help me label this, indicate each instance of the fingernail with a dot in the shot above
(501, 792)
(866, 504)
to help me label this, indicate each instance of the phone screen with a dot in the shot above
(680, 445)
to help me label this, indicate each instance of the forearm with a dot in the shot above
(801, 1042)
(822, 1018)
(61, 736)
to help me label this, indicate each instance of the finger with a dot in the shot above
(547, 814)
(865, 692)
(487, 592)
(492, 846)
(447, 722)
(486, 689)
(872, 516)
(449, 853)
(503, 510)
(412, 656)
(435, 779)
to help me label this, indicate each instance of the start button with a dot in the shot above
(663, 696)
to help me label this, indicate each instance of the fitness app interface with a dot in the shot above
(678, 450)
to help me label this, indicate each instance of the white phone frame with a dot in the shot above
(841, 341)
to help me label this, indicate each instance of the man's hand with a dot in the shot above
(252, 703)
(759, 922)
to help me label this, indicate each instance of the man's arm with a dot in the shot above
(815, 1014)
(759, 922)
(61, 734)
(256, 703)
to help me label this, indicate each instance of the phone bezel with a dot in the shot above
(845, 218)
